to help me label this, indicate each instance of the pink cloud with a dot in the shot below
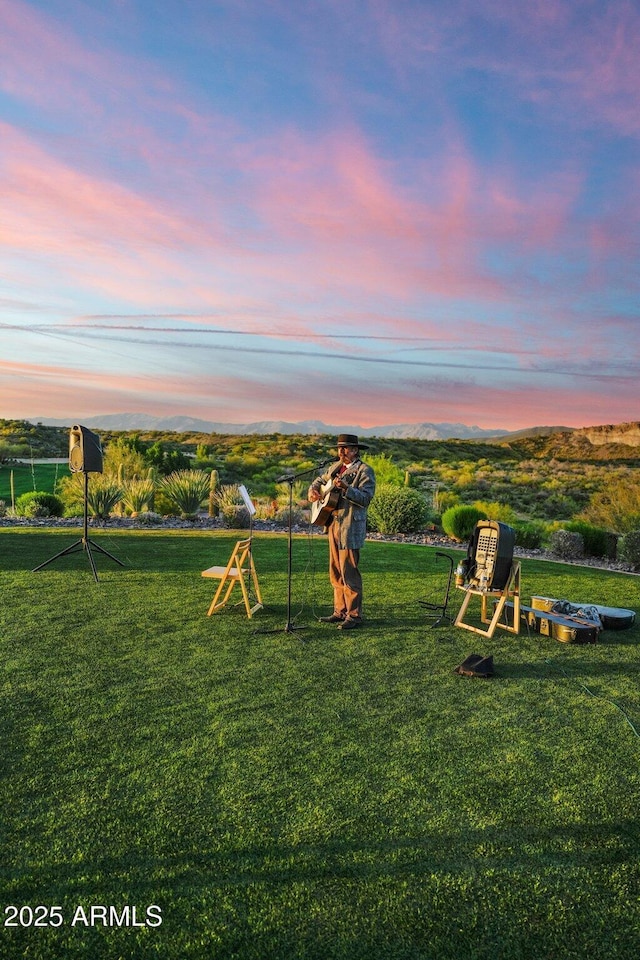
(311, 214)
(298, 230)
(36, 390)
(50, 64)
(44, 197)
(579, 62)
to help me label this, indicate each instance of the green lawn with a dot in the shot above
(28, 477)
(314, 794)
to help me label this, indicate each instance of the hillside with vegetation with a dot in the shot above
(544, 479)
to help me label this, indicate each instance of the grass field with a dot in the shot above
(27, 477)
(314, 794)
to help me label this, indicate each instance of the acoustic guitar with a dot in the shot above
(322, 509)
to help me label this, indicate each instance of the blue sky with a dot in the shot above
(362, 212)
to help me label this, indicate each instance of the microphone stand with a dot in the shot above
(289, 626)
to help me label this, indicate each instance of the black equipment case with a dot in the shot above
(564, 629)
(612, 618)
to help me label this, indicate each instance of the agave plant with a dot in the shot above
(138, 495)
(103, 494)
(186, 490)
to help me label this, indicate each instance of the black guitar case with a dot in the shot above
(562, 628)
(612, 618)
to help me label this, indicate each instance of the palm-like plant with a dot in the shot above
(103, 494)
(186, 490)
(138, 496)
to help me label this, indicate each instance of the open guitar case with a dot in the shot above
(570, 622)
(612, 618)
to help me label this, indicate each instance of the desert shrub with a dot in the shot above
(149, 518)
(39, 504)
(386, 471)
(104, 493)
(530, 534)
(228, 502)
(567, 544)
(597, 541)
(186, 490)
(629, 548)
(459, 522)
(501, 512)
(163, 506)
(443, 500)
(298, 516)
(616, 506)
(298, 495)
(240, 519)
(138, 495)
(123, 458)
(231, 507)
(397, 510)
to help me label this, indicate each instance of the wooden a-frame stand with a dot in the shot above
(511, 590)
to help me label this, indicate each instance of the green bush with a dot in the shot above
(502, 512)
(530, 535)
(597, 541)
(397, 510)
(444, 499)
(39, 504)
(163, 506)
(386, 471)
(459, 522)
(629, 548)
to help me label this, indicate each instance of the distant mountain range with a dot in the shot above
(397, 431)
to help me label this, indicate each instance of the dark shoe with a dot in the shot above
(334, 618)
(349, 624)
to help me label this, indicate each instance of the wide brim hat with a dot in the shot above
(350, 440)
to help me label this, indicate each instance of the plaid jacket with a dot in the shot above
(350, 515)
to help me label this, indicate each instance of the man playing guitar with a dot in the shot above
(351, 484)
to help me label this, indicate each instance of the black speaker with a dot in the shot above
(85, 452)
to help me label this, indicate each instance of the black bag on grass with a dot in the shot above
(475, 665)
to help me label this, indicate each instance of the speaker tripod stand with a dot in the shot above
(84, 543)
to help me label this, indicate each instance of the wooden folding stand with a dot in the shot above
(511, 591)
(240, 569)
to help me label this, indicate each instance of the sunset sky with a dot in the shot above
(359, 211)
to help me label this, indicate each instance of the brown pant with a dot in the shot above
(345, 578)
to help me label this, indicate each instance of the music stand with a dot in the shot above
(290, 627)
(84, 543)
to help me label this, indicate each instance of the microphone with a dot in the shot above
(288, 477)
